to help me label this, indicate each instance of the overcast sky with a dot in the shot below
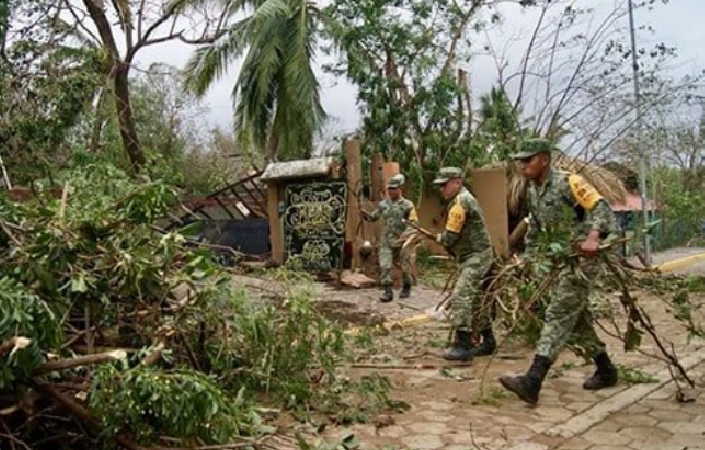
(678, 23)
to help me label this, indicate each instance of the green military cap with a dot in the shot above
(396, 181)
(446, 174)
(530, 147)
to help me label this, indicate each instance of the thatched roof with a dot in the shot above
(606, 182)
(629, 177)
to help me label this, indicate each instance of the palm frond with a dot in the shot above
(271, 9)
(209, 63)
(276, 92)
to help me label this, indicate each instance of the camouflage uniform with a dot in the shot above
(564, 210)
(393, 214)
(466, 238)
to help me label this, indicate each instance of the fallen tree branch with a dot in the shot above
(154, 356)
(82, 413)
(6, 230)
(85, 360)
(636, 313)
(13, 344)
(13, 440)
(85, 350)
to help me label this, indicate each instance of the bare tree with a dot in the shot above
(575, 75)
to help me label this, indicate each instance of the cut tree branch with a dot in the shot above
(85, 360)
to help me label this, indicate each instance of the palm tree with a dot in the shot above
(276, 95)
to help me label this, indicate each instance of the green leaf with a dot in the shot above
(78, 284)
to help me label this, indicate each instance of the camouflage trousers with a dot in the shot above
(467, 309)
(568, 318)
(388, 256)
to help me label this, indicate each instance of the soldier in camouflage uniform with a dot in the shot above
(466, 238)
(393, 211)
(564, 209)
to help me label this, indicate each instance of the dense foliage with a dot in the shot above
(681, 212)
(46, 81)
(89, 270)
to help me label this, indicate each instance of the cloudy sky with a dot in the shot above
(677, 23)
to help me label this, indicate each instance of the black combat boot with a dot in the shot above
(388, 295)
(604, 376)
(405, 290)
(527, 386)
(461, 349)
(488, 345)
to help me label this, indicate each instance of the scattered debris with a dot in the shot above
(356, 280)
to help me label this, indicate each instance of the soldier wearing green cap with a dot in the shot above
(563, 209)
(393, 211)
(466, 237)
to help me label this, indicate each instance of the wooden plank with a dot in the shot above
(237, 183)
(490, 188)
(250, 207)
(220, 203)
(354, 181)
(203, 211)
(255, 198)
(276, 228)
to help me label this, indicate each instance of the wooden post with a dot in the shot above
(389, 169)
(354, 181)
(377, 177)
(276, 230)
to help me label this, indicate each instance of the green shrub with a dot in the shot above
(277, 344)
(26, 315)
(184, 404)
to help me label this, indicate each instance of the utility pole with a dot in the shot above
(639, 128)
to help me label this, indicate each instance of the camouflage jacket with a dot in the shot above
(393, 214)
(465, 232)
(565, 209)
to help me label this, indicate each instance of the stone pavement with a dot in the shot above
(446, 415)
(656, 422)
(448, 412)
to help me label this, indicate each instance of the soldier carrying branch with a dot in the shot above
(466, 238)
(564, 207)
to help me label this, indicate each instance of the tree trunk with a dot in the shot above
(128, 132)
(272, 148)
(118, 71)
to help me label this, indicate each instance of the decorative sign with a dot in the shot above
(314, 225)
